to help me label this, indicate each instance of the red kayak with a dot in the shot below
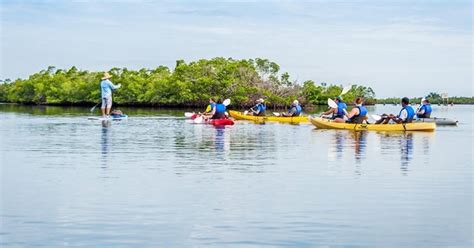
(215, 122)
(220, 122)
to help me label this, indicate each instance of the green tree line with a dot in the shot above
(189, 84)
(433, 97)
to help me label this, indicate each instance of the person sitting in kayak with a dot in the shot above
(406, 114)
(294, 110)
(116, 113)
(259, 109)
(219, 111)
(339, 112)
(359, 113)
(211, 105)
(425, 109)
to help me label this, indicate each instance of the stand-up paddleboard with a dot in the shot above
(111, 118)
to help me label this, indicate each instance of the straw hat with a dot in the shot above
(106, 76)
(295, 102)
(260, 100)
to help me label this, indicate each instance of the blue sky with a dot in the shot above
(400, 48)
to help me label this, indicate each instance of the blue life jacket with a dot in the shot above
(261, 108)
(410, 114)
(357, 118)
(340, 109)
(220, 108)
(427, 109)
(298, 110)
(362, 111)
(213, 105)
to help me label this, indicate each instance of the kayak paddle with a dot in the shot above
(376, 117)
(226, 102)
(332, 103)
(276, 114)
(198, 119)
(93, 108)
(346, 89)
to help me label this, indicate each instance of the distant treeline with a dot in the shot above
(433, 97)
(189, 84)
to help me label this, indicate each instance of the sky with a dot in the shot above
(399, 48)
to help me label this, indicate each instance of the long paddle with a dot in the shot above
(346, 89)
(376, 117)
(93, 108)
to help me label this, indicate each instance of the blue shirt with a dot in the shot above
(106, 88)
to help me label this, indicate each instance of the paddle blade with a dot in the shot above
(376, 117)
(226, 102)
(188, 114)
(246, 112)
(346, 89)
(332, 103)
(198, 119)
(92, 109)
(276, 114)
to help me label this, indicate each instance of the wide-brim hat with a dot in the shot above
(106, 76)
(296, 102)
(260, 100)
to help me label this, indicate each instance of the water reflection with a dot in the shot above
(403, 142)
(360, 143)
(351, 139)
(104, 141)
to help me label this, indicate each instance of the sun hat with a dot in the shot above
(295, 102)
(106, 76)
(339, 98)
(261, 100)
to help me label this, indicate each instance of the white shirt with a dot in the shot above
(403, 114)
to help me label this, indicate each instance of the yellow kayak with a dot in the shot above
(240, 116)
(329, 124)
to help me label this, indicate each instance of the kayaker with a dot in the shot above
(259, 108)
(406, 114)
(425, 109)
(359, 113)
(218, 112)
(116, 113)
(339, 112)
(106, 88)
(211, 105)
(295, 110)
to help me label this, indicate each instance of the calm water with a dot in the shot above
(158, 181)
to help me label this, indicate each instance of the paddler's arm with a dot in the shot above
(112, 85)
(354, 111)
(332, 110)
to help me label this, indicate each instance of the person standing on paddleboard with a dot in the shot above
(106, 88)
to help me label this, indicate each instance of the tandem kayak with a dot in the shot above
(240, 116)
(330, 124)
(438, 121)
(111, 118)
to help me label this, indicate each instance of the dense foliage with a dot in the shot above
(189, 84)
